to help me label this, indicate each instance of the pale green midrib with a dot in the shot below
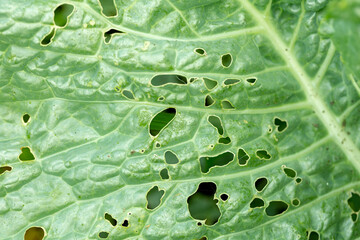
(298, 209)
(324, 67)
(329, 121)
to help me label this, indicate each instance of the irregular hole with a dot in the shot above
(354, 217)
(171, 157)
(202, 205)
(110, 219)
(216, 122)
(128, 94)
(26, 154)
(291, 173)
(34, 233)
(4, 169)
(191, 80)
(210, 84)
(161, 120)
(161, 80)
(280, 124)
(108, 8)
(157, 145)
(225, 140)
(199, 223)
(109, 34)
(125, 223)
(263, 154)
(62, 13)
(220, 160)
(257, 203)
(153, 197)
(243, 157)
(261, 183)
(209, 101)
(314, 235)
(295, 202)
(203, 238)
(26, 118)
(224, 197)
(103, 234)
(226, 60)
(164, 174)
(227, 105)
(48, 37)
(229, 82)
(200, 51)
(276, 208)
(161, 99)
(251, 80)
(298, 180)
(354, 202)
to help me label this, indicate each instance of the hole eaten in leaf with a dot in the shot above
(295, 202)
(280, 124)
(354, 217)
(202, 205)
(62, 13)
(216, 122)
(161, 120)
(225, 140)
(227, 105)
(257, 203)
(26, 154)
(153, 197)
(291, 173)
(125, 223)
(243, 157)
(263, 154)
(252, 80)
(229, 82)
(48, 37)
(261, 183)
(210, 84)
(226, 60)
(164, 174)
(4, 169)
(34, 233)
(354, 202)
(161, 80)
(128, 94)
(110, 219)
(108, 8)
(224, 197)
(276, 207)
(220, 160)
(298, 180)
(171, 157)
(209, 101)
(314, 235)
(109, 34)
(200, 51)
(26, 118)
(103, 235)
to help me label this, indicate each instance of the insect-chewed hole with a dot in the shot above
(251, 80)
(224, 140)
(34, 233)
(110, 219)
(226, 60)
(109, 34)
(108, 8)
(199, 224)
(209, 101)
(243, 157)
(354, 217)
(263, 154)
(257, 203)
(160, 99)
(291, 173)
(161, 80)
(103, 234)
(295, 202)
(170, 157)
(161, 120)
(220, 160)
(203, 238)
(26, 154)
(200, 51)
(280, 124)
(224, 197)
(128, 94)
(313, 235)
(26, 118)
(4, 169)
(226, 104)
(276, 208)
(298, 180)
(229, 82)
(354, 202)
(157, 145)
(216, 122)
(62, 13)
(164, 174)
(125, 223)
(202, 205)
(48, 37)
(153, 197)
(210, 84)
(261, 183)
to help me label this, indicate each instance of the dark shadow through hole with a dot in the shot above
(48, 38)
(243, 157)
(110, 219)
(354, 202)
(261, 183)
(26, 118)
(314, 235)
(125, 223)
(108, 34)
(227, 104)
(161, 120)
(276, 208)
(280, 124)
(103, 235)
(164, 174)
(4, 169)
(108, 8)
(225, 140)
(220, 160)
(171, 158)
(34, 233)
(226, 60)
(26, 154)
(216, 122)
(210, 84)
(62, 13)
(224, 197)
(228, 82)
(209, 101)
(161, 80)
(153, 197)
(263, 154)
(257, 203)
(289, 172)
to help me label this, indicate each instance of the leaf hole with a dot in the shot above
(4, 169)
(160, 99)
(153, 197)
(206, 163)
(229, 82)
(26, 118)
(203, 238)
(243, 157)
(209, 101)
(47, 39)
(224, 197)
(227, 105)
(354, 202)
(263, 154)
(128, 94)
(112, 220)
(298, 180)
(261, 183)
(210, 84)
(295, 202)
(164, 174)
(157, 145)
(199, 223)
(354, 217)
(125, 223)
(276, 208)
(170, 157)
(313, 235)
(103, 234)
(200, 51)
(26, 154)
(257, 203)
(215, 121)
(34, 233)
(280, 124)
(161, 120)
(226, 60)
(225, 140)
(62, 14)
(108, 8)
(291, 173)
(110, 33)
(251, 80)
(162, 80)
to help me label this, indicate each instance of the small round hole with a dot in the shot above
(224, 197)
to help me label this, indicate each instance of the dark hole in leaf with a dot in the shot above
(199, 223)
(276, 208)
(261, 183)
(226, 60)
(314, 235)
(103, 235)
(108, 34)
(224, 197)
(171, 158)
(227, 104)
(295, 202)
(164, 174)
(161, 80)
(243, 157)
(128, 94)
(289, 172)
(251, 80)
(191, 80)
(263, 154)
(161, 120)
(26, 154)
(157, 145)
(220, 160)
(354, 217)
(257, 203)
(216, 122)
(202, 205)
(34, 233)
(26, 118)
(110, 219)
(209, 101)
(62, 13)
(200, 51)
(48, 38)
(125, 223)
(298, 180)
(281, 125)
(210, 83)
(4, 169)
(203, 238)
(161, 99)
(228, 82)
(108, 8)
(225, 140)
(354, 202)
(153, 197)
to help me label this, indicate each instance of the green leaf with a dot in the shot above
(255, 102)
